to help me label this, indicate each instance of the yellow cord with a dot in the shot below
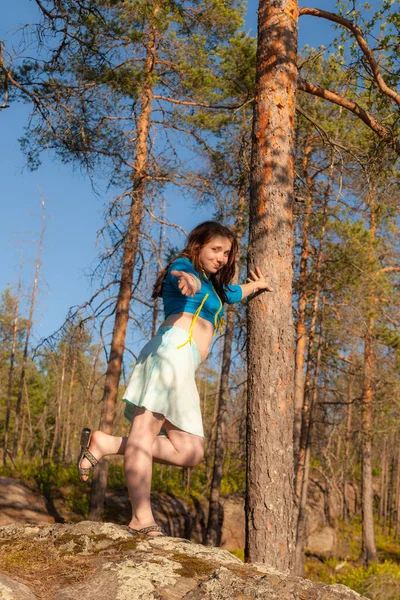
(196, 314)
(218, 326)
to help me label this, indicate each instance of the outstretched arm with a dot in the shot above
(187, 283)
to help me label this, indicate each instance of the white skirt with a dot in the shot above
(163, 380)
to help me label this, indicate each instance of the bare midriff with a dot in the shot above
(203, 330)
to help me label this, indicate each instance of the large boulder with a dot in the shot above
(104, 561)
(20, 503)
(322, 543)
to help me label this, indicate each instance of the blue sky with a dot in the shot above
(74, 211)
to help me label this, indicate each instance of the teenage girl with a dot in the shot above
(161, 399)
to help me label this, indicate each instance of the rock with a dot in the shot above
(21, 503)
(322, 543)
(104, 561)
(13, 590)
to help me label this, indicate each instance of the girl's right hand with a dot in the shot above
(186, 283)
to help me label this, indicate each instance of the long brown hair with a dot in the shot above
(197, 238)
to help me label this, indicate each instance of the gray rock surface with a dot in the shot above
(104, 561)
(322, 543)
(14, 590)
(20, 503)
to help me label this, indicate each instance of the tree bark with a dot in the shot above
(368, 553)
(397, 497)
(124, 295)
(383, 487)
(349, 431)
(269, 494)
(305, 418)
(302, 515)
(301, 332)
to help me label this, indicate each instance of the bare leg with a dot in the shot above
(139, 464)
(181, 449)
(140, 449)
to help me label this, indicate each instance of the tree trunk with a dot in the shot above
(156, 304)
(349, 431)
(69, 401)
(124, 295)
(301, 519)
(368, 553)
(57, 425)
(269, 497)
(383, 488)
(214, 525)
(397, 500)
(301, 332)
(299, 466)
(28, 411)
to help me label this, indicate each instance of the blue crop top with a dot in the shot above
(206, 297)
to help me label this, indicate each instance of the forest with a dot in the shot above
(297, 150)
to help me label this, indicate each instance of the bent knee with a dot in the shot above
(196, 455)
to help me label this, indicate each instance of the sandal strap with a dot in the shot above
(92, 459)
(85, 470)
(147, 530)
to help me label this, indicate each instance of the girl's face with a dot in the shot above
(215, 254)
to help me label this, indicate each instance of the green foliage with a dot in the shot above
(169, 480)
(239, 553)
(233, 481)
(379, 581)
(116, 475)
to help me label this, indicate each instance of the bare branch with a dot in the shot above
(365, 116)
(385, 89)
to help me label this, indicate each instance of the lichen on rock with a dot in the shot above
(104, 561)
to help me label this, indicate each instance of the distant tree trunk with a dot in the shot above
(368, 553)
(69, 402)
(389, 501)
(11, 369)
(383, 487)
(307, 433)
(349, 420)
(156, 304)
(269, 497)
(27, 337)
(301, 332)
(299, 466)
(213, 534)
(210, 449)
(125, 289)
(28, 411)
(60, 395)
(397, 500)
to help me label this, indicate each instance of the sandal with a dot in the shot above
(85, 453)
(147, 530)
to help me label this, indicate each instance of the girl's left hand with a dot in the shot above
(258, 278)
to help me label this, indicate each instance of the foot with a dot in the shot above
(97, 448)
(135, 525)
